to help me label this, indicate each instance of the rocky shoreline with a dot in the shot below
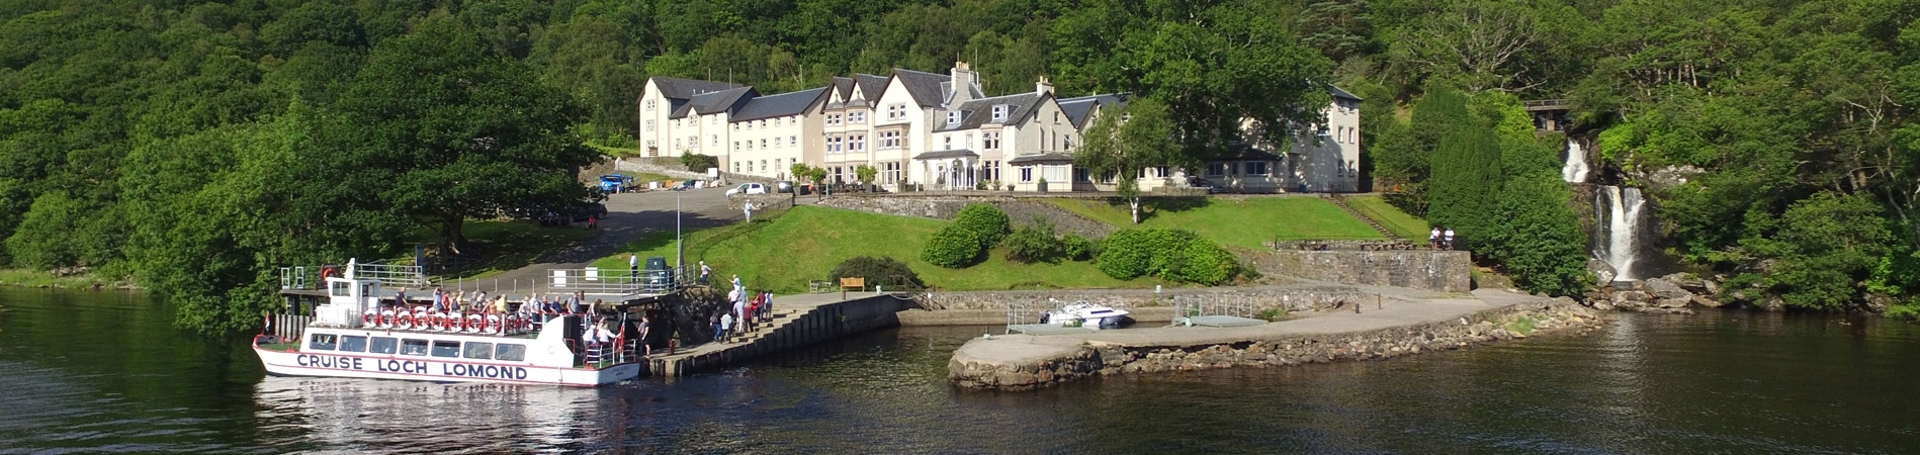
(1675, 293)
(1093, 358)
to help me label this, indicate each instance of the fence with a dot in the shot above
(1186, 307)
(622, 281)
(1028, 313)
(389, 275)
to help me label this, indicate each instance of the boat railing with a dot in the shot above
(1186, 307)
(388, 274)
(594, 280)
(1021, 313)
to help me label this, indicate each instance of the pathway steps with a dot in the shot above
(1341, 201)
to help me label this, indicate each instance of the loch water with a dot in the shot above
(92, 372)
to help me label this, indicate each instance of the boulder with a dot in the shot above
(1705, 301)
(1623, 297)
(1664, 289)
(1678, 302)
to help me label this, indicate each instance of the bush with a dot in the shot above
(699, 163)
(1207, 263)
(1034, 243)
(952, 247)
(1125, 254)
(986, 221)
(1169, 254)
(1077, 248)
(877, 271)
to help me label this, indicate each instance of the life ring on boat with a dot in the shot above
(370, 319)
(387, 319)
(404, 321)
(439, 321)
(495, 324)
(474, 322)
(512, 324)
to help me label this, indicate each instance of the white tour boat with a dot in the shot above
(1083, 314)
(352, 336)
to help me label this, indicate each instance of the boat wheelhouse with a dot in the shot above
(358, 334)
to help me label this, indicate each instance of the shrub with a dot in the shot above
(986, 221)
(1169, 252)
(699, 163)
(952, 247)
(1125, 254)
(1034, 243)
(1207, 263)
(877, 271)
(1077, 248)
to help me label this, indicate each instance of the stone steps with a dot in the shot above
(1341, 201)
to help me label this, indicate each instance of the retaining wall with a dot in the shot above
(1445, 271)
(1290, 298)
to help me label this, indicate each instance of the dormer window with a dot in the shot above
(953, 118)
(1000, 113)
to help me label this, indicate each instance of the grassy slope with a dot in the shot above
(807, 242)
(1245, 222)
(1407, 226)
(496, 246)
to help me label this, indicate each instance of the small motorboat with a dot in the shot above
(1087, 315)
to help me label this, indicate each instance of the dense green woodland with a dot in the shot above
(196, 146)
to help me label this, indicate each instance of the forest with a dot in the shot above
(198, 146)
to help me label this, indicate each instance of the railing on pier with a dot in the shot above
(622, 281)
(1546, 105)
(1029, 312)
(1187, 307)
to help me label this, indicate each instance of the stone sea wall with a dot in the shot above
(1444, 271)
(1520, 321)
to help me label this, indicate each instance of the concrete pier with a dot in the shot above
(1406, 326)
(799, 320)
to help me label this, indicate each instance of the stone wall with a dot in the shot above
(1521, 321)
(1291, 298)
(767, 203)
(1445, 271)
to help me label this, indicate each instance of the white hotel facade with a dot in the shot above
(931, 131)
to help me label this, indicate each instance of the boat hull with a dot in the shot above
(417, 368)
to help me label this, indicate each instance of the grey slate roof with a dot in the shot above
(1338, 93)
(781, 105)
(729, 100)
(946, 154)
(1078, 109)
(870, 85)
(673, 87)
(1050, 157)
(928, 89)
(975, 113)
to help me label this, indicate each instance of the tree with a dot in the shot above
(865, 173)
(1465, 188)
(1536, 236)
(461, 132)
(1126, 141)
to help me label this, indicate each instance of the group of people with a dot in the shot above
(482, 303)
(1440, 240)
(746, 310)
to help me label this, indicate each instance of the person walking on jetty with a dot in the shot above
(715, 322)
(726, 325)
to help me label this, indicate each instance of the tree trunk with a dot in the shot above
(450, 233)
(1135, 204)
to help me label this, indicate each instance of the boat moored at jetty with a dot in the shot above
(356, 334)
(1087, 315)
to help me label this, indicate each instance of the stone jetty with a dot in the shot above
(1400, 327)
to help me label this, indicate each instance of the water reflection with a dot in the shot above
(337, 413)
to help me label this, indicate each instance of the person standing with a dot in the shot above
(1449, 238)
(736, 281)
(633, 264)
(593, 222)
(645, 326)
(740, 308)
(716, 326)
(704, 272)
(1433, 238)
(726, 324)
(748, 208)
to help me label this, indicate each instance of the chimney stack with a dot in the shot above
(1043, 87)
(964, 79)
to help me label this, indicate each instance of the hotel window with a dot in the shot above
(833, 119)
(676, 143)
(736, 146)
(1256, 168)
(833, 144)
(1216, 169)
(858, 117)
(736, 127)
(716, 140)
(969, 143)
(649, 125)
(676, 123)
(763, 144)
(953, 118)
(793, 141)
(992, 140)
(736, 167)
(896, 111)
(949, 143)
(763, 165)
(999, 113)
(650, 104)
(1026, 173)
(857, 143)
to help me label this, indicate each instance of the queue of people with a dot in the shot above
(743, 311)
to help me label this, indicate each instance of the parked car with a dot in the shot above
(657, 277)
(687, 185)
(748, 188)
(616, 183)
(783, 186)
(1197, 182)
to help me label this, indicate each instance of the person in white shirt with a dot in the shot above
(633, 263)
(1433, 238)
(726, 325)
(1449, 238)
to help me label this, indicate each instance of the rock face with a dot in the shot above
(1068, 363)
(1674, 293)
(1445, 271)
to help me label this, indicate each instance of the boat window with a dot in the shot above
(320, 342)
(478, 351)
(342, 289)
(446, 348)
(413, 347)
(383, 345)
(353, 343)
(513, 352)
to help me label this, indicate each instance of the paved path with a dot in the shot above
(1393, 312)
(629, 216)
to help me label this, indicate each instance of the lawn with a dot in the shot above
(1402, 224)
(1239, 221)
(804, 244)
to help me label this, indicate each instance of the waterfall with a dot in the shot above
(1619, 210)
(1575, 170)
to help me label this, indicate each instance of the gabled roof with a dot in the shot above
(842, 88)
(1338, 93)
(927, 89)
(870, 85)
(673, 87)
(1078, 109)
(980, 111)
(781, 105)
(729, 100)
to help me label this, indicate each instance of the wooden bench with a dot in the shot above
(854, 282)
